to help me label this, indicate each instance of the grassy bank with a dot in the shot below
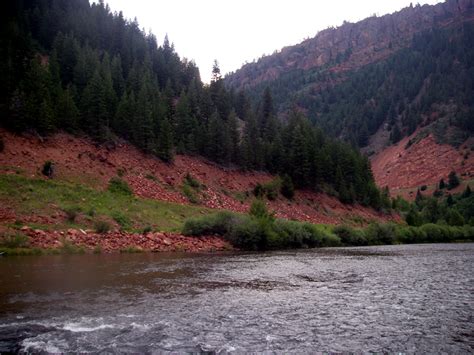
(261, 231)
(78, 206)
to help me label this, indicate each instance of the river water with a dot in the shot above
(381, 299)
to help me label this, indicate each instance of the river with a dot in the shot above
(410, 298)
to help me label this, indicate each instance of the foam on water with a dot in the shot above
(78, 327)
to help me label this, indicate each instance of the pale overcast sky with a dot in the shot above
(239, 31)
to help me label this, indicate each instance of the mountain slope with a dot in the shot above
(382, 79)
(79, 160)
(75, 66)
(399, 71)
(353, 45)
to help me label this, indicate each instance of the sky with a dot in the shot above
(238, 31)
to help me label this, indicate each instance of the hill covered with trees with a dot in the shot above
(74, 66)
(392, 74)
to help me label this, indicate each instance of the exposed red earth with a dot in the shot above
(404, 169)
(79, 160)
(116, 241)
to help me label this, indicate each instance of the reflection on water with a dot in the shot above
(381, 299)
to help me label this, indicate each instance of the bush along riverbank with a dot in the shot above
(260, 230)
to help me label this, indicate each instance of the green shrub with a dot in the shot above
(380, 234)
(191, 181)
(190, 193)
(350, 236)
(453, 180)
(410, 235)
(119, 186)
(151, 177)
(468, 232)
(218, 223)
(48, 168)
(436, 233)
(249, 234)
(455, 218)
(67, 247)
(17, 240)
(102, 226)
(122, 220)
(91, 212)
(147, 230)
(72, 213)
(269, 190)
(258, 209)
(287, 188)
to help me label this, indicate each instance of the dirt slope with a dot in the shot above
(78, 160)
(404, 169)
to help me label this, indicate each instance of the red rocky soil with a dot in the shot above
(79, 160)
(424, 163)
(116, 241)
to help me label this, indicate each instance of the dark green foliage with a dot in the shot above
(442, 184)
(122, 220)
(413, 218)
(454, 210)
(191, 181)
(380, 234)
(214, 224)
(191, 188)
(350, 236)
(261, 232)
(190, 193)
(433, 71)
(418, 197)
(467, 192)
(147, 230)
(269, 190)
(287, 188)
(258, 209)
(453, 180)
(102, 226)
(48, 169)
(119, 186)
(72, 213)
(16, 240)
(454, 218)
(76, 66)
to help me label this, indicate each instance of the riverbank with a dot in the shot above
(35, 241)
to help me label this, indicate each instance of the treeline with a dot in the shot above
(442, 208)
(434, 74)
(74, 66)
(260, 230)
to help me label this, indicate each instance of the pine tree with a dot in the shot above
(67, 111)
(94, 108)
(453, 180)
(164, 148)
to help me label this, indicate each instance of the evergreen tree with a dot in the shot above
(164, 148)
(453, 180)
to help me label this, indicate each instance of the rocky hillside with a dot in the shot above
(79, 160)
(418, 162)
(384, 80)
(353, 45)
(376, 81)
